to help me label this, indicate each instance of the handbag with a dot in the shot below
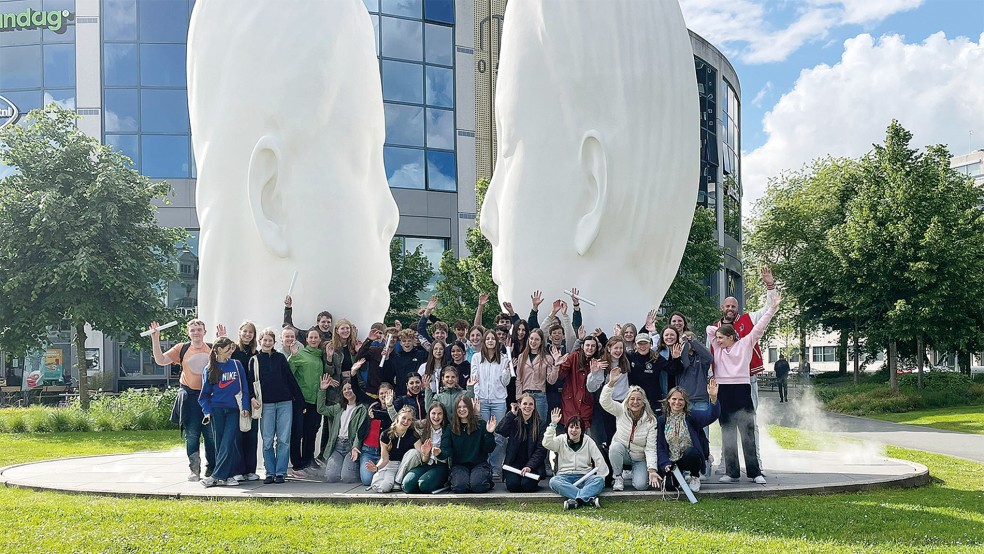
(245, 421)
(257, 393)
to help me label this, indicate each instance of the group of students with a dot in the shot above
(460, 408)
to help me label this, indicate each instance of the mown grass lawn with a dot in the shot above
(966, 419)
(946, 516)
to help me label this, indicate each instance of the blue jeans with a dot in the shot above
(276, 422)
(369, 454)
(194, 432)
(541, 405)
(225, 427)
(704, 407)
(339, 466)
(618, 454)
(497, 409)
(564, 486)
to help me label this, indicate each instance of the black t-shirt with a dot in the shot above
(464, 372)
(401, 445)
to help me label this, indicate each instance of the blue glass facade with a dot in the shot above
(145, 94)
(415, 45)
(37, 65)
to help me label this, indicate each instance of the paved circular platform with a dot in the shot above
(163, 475)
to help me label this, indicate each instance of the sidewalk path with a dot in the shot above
(917, 437)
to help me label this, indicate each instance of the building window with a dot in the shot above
(433, 249)
(182, 292)
(773, 354)
(145, 93)
(706, 90)
(415, 46)
(824, 353)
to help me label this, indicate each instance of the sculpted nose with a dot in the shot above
(489, 221)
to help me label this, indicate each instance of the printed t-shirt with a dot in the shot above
(193, 365)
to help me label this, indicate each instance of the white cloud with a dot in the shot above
(935, 89)
(765, 91)
(742, 27)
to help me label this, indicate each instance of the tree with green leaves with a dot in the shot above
(411, 273)
(464, 279)
(79, 238)
(912, 246)
(689, 293)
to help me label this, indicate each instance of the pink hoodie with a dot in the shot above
(731, 364)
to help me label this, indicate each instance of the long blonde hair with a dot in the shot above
(336, 340)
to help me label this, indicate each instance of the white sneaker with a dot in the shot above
(231, 483)
(703, 477)
(626, 474)
(619, 484)
(726, 479)
(208, 482)
(762, 472)
(237, 478)
(252, 477)
(193, 477)
(760, 480)
(694, 483)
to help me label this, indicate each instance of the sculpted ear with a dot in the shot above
(266, 202)
(594, 164)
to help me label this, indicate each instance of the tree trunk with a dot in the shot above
(893, 365)
(80, 363)
(857, 357)
(920, 360)
(842, 354)
(803, 359)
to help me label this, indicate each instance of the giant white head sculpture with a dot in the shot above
(598, 152)
(287, 120)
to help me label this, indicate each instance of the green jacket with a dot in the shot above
(334, 414)
(467, 448)
(308, 366)
(446, 397)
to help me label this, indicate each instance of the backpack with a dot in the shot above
(176, 368)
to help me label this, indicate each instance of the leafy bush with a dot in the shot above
(132, 410)
(941, 389)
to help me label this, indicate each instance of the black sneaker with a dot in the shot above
(280, 479)
(208, 472)
(269, 480)
(593, 502)
(570, 504)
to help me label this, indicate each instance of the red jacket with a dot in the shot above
(575, 398)
(743, 326)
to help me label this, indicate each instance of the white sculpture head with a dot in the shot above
(598, 152)
(287, 121)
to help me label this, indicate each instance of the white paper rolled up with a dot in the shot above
(293, 280)
(683, 485)
(389, 338)
(149, 332)
(511, 469)
(587, 476)
(579, 297)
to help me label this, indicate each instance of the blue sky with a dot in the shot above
(825, 77)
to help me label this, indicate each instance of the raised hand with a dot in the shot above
(574, 297)
(614, 374)
(555, 307)
(712, 388)
(676, 350)
(581, 333)
(617, 330)
(514, 408)
(421, 312)
(427, 446)
(555, 352)
(507, 341)
(598, 331)
(509, 307)
(358, 364)
(767, 277)
(536, 298)
(431, 304)
(329, 349)
(220, 330)
(651, 321)
(595, 366)
(155, 334)
(375, 335)
(490, 426)
(563, 307)
(288, 301)
(483, 299)
(555, 416)
(776, 298)
(472, 380)
(325, 382)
